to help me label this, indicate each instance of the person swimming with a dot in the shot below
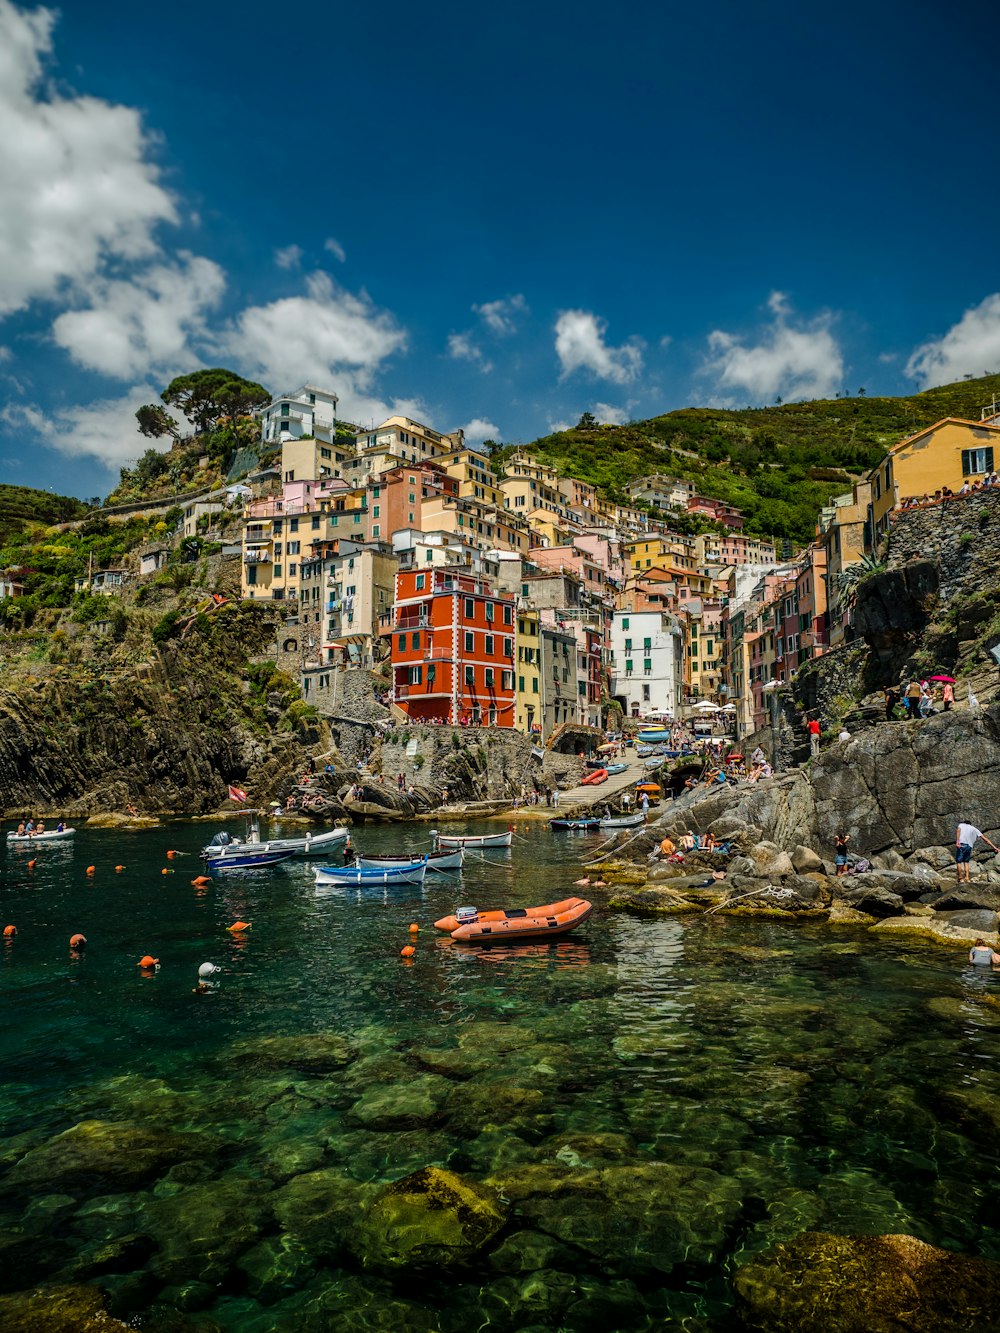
(981, 955)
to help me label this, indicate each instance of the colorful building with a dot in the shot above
(452, 648)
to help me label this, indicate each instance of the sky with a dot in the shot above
(487, 218)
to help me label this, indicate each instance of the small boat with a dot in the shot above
(575, 825)
(624, 821)
(596, 778)
(654, 764)
(613, 769)
(447, 860)
(32, 839)
(474, 839)
(362, 877)
(470, 926)
(247, 858)
(311, 844)
(658, 737)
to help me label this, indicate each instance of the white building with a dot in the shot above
(308, 411)
(647, 662)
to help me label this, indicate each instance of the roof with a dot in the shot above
(928, 430)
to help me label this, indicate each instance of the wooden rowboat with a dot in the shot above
(470, 926)
(447, 860)
(475, 839)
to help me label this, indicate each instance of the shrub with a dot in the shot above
(164, 628)
(966, 539)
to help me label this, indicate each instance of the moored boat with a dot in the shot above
(470, 926)
(361, 877)
(575, 825)
(32, 839)
(247, 858)
(474, 839)
(446, 860)
(613, 769)
(311, 844)
(624, 821)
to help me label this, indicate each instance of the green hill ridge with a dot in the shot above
(778, 464)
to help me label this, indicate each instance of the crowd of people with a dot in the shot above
(946, 493)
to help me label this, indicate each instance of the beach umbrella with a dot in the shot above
(946, 680)
(708, 707)
(729, 708)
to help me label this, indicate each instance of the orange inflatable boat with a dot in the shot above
(595, 779)
(470, 926)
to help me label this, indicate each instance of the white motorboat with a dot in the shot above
(320, 843)
(474, 839)
(33, 839)
(446, 860)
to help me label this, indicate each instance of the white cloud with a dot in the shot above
(462, 348)
(335, 249)
(791, 361)
(580, 345)
(478, 430)
(328, 336)
(611, 416)
(970, 347)
(556, 426)
(75, 177)
(133, 328)
(498, 316)
(104, 430)
(290, 256)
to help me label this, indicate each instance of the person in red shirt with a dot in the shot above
(814, 732)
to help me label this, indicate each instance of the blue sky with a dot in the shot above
(489, 218)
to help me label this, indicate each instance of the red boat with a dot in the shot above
(596, 778)
(470, 926)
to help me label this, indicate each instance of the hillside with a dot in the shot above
(778, 464)
(23, 510)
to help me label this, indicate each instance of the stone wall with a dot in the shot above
(474, 763)
(961, 535)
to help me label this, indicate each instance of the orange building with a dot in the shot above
(452, 648)
(395, 497)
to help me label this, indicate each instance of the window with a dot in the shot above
(293, 525)
(415, 675)
(314, 523)
(375, 509)
(376, 492)
(708, 647)
(402, 643)
(508, 615)
(645, 694)
(520, 684)
(977, 460)
(489, 645)
(276, 571)
(647, 665)
(628, 667)
(470, 608)
(324, 453)
(507, 679)
(470, 675)
(375, 528)
(534, 685)
(625, 622)
(294, 548)
(470, 641)
(420, 581)
(489, 611)
(293, 569)
(628, 645)
(489, 678)
(647, 645)
(431, 673)
(278, 548)
(508, 647)
(415, 640)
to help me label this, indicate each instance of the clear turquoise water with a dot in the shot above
(657, 1099)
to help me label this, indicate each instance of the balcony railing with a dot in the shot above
(410, 622)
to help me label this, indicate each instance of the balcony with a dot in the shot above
(405, 621)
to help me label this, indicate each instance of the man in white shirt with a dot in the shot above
(966, 837)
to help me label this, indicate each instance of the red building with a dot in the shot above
(452, 648)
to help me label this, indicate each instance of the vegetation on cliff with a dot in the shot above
(778, 464)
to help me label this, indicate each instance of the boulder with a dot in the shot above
(935, 927)
(821, 1283)
(318, 1211)
(770, 860)
(983, 919)
(414, 1101)
(654, 901)
(432, 1219)
(805, 859)
(66, 1309)
(105, 1154)
(869, 898)
(312, 1053)
(967, 896)
(201, 1231)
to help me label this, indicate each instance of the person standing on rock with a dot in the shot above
(948, 696)
(891, 700)
(840, 851)
(913, 699)
(966, 837)
(814, 729)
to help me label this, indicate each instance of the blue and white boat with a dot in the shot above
(576, 825)
(247, 858)
(446, 860)
(362, 877)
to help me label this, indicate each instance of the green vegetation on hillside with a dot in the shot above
(778, 464)
(23, 510)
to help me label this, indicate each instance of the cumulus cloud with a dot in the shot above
(104, 430)
(793, 360)
(289, 256)
(327, 336)
(148, 323)
(580, 345)
(75, 175)
(499, 316)
(970, 347)
(462, 348)
(335, 248)
(479, 429)
(610, 416)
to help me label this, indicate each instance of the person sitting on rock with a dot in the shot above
(667, 848)
(688, 841)
(981, 955)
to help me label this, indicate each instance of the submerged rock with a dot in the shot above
(432, 1218)
(68, 1309)
(203, 1230)
(320, 1209)
(417, 1101)
(313, 1053)
(122, 1154)
(821, 1283)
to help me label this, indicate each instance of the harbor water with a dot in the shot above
(652, 1101)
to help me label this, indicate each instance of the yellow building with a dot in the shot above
(312, 460)
(527, 678)
(950, 454)
(476, 479)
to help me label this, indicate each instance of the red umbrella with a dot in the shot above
(948, 680)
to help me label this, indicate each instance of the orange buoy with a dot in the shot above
(237, 926)
(147, 961)
(171, 855)
(77, 941)
(414, 928)
(407, 951)
(32, 864)
(119, 869)
(166, 870)
(201, 881)
(9, 931)
(91, 870)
